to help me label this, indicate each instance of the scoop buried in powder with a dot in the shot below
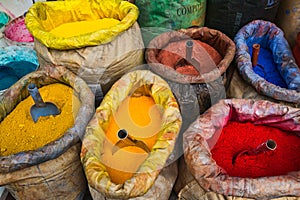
(126, 140)
(40, 108)
(269, 145)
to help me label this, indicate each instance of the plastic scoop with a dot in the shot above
(40, 108)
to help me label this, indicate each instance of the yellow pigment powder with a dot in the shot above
(82, 27)
(19, 133)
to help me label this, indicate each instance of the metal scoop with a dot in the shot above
(126, 140)
(269, 145)
(40, 108)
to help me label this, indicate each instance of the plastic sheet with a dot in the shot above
(230, 15)
(166, 15)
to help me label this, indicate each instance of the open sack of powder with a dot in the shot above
(215, 169)
(128, 145)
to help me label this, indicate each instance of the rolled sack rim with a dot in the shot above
(71, 137)
(244, 65)
(127, 11)
(204, 34)
(203, 133)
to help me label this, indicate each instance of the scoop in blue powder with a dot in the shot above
(266, 67)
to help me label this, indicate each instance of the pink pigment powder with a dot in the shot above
(17, 31)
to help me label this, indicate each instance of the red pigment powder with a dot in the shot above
(175, 51)
(237, 136)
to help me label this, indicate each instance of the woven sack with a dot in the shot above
(202, 135)
(288, 19)
(251, 85)
(194, 93)
(54, 170)
(158, 171)
(97, 57)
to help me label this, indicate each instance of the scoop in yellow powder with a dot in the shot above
(142, 119)
(18, 132)
(83, 27)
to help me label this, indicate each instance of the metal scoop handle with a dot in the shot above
(126, 140)
(36, 96)
(189, 45)
(269, 145)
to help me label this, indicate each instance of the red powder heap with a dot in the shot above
(175, 51)
(238, 136)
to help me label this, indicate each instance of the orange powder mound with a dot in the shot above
(140, 117)
(122, 165)
(83, 27)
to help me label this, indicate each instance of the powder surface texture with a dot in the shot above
(238, 136)
(175, 51)
(17, 31)
(83, 27)
(18, 132)
(266, 67)
(141, 118)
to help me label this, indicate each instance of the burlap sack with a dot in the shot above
(158, 171)
(239, 88)
(160, 190)
(98, 65)
(195, 94)
(52, 171)
(59, 178)
(187, 188)
(100, 57)
(201, 136)
(288, 19)
(16, 53)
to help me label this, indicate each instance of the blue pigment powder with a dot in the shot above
(266, 67)
(22, 67)
(13, 71)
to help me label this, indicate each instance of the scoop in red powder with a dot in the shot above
(236, 137)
